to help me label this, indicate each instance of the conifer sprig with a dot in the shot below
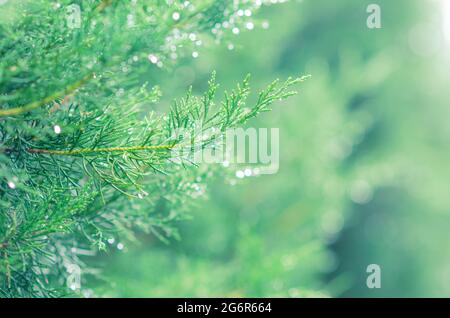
(84, 156)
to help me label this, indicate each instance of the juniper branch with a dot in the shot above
(72, 188)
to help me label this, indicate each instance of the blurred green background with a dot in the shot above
(364, 175)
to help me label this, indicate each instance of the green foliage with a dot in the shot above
(84, 155)
(364, 175)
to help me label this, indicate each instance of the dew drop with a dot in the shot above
(240, 174)
(57, 129)
(152, 58)
(176, 16)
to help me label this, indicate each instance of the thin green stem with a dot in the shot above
(103, 5)
(87, 151)
(31, 106)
